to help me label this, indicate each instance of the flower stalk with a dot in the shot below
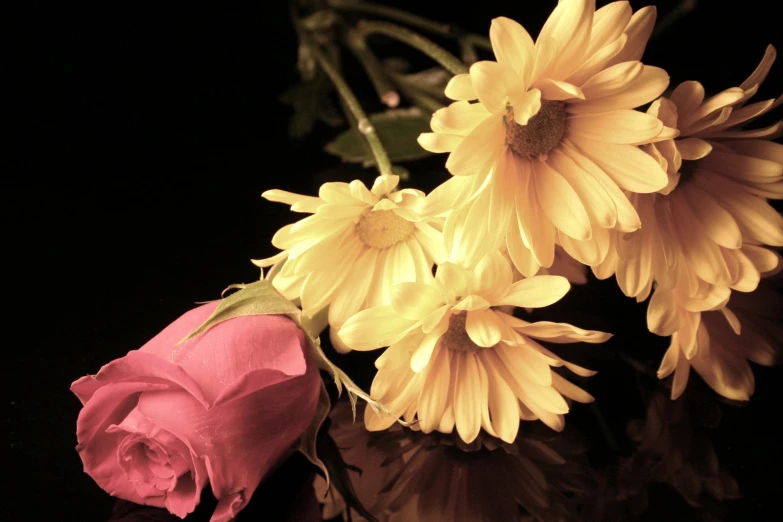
(349, 98)
(447, 60)
(380, 81)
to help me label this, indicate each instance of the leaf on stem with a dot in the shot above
(398, 130)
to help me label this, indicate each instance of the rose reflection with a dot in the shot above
(405, 475)
(673, 448)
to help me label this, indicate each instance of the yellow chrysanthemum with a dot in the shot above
(357, 245)
(456, 360)
(545, 153)
(711, 219)
(717, 341)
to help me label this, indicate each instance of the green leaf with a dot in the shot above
(310, 101)
(398, 130)
(309, 439)
(259, 298)
(430, 81)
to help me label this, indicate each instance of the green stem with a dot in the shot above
(357, 44)
(363, 122)
(421, 99)
(450, 62)
(392, 13)
(482, 42)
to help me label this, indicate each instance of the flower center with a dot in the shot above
(383, 228)
(456, 337)
(543, 132)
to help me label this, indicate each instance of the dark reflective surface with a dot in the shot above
(668, 463)
(401, 474)
(141, 140)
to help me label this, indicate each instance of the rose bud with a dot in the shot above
(223, 408)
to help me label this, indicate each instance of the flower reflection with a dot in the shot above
(125, 511)
(673, 447)
(407, 475)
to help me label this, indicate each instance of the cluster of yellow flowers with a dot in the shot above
(550, 159)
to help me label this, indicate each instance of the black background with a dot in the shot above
(140, 138)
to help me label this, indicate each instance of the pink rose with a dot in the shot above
(222, 408)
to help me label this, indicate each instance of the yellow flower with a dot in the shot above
(717, 341)
(711, 219)
(545, 153)
(357, 244)
(456, 360)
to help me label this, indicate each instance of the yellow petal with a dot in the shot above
(687, 96)
(560, 202)
(524, 365)
(538, 231)
(472, 302)
(298, 202)
(597, 61)
(467, 410)
(726, 373)
(596, 200)
(628, 166)
(536, 292)
(460, 88)
(716, 220)
(681, 374)
(466, 233)
(693, 148)
(479, 151)
(433, 142)
(503, 405)
(373, 328)
(623, 86)
(492, 277)
(415, 300)
(663, 316)
(484, 327)
(452, 279)
(570, 390)
(347, 303)
(435, 395)
(447, 196)
(562, 333)
(569, 28)
(520, 255)
(627, 217)
(459, 118)
(609, 23)
(513, 47)
(638, 31)
(763, 259)
(489, 81)
(421, 357)
(559, 90)
(503, 188)
(620, 126)
(527, 106)
(760, 73)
